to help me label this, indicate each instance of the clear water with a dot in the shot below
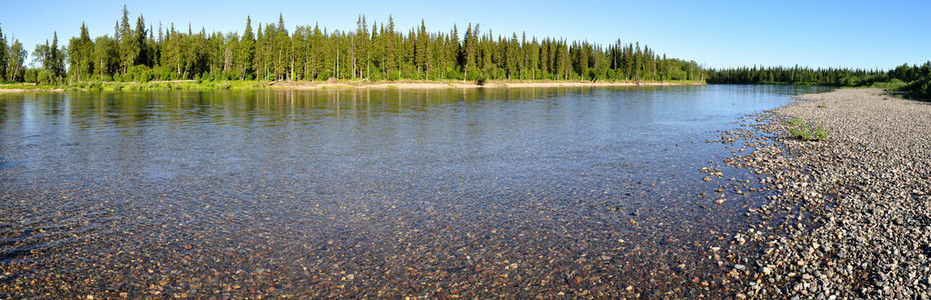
(371, 193)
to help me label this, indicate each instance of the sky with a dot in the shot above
(716, 34)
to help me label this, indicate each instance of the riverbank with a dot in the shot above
(301, 85)
(852, 214)
(469, 84)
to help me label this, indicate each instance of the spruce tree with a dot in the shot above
(4, 56)
(246, 51)
(129, 46)
(140, 43)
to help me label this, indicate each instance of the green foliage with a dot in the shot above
(919, 87)
(821, 133)
(16, 56)
(801, 129)
(370, 52)
(913, 80)
(891, 85)
(129, 45)
(81, 56)
(31, 75)
(4, 57)
(138, 73)
(797, 75)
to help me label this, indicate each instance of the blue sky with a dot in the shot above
(856, 34)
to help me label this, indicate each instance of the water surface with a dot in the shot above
(377, 193)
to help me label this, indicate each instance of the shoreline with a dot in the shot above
(30, 90)
(851, 217)
(470, 84)
(313, 85)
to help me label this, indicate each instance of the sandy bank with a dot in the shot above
(461, 84)
(852, 214)
(310, 85)
(29, 90)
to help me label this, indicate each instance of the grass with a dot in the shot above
(823, 103)
(801, 129)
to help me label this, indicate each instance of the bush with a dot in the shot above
(139, 73)
(801, 129)
(31, 75)
(893, 84)
(394, 76)
(94, 86)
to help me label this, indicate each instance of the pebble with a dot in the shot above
(845, 201)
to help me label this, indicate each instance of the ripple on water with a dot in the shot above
(526, 192)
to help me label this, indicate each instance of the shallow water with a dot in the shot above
(474, 192)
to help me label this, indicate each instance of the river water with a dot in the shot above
(589, 192)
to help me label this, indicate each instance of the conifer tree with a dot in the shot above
(422, 50)
(246, 51)
(57, 64)
(129, 45)
(282, 46)
(142, 54)
(393, 55)
(258, 60)
(4, 56)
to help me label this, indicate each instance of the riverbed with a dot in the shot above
(527, 192)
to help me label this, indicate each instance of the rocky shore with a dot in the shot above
(849, 216)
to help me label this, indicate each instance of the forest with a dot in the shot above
(914, 79)
(373, 51)
(378, 51)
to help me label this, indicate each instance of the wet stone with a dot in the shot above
(380, 194)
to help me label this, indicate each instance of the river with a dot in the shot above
(588, 192)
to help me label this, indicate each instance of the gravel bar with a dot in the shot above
(852, 214)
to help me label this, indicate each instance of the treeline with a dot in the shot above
(913, 79)
(271, 52)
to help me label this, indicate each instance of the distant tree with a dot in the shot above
(562, 60)
(282, 49)
(392, 46)
(452, 51)
(15, 63)
(422, 51)
(246, 51)
(141, 44)
(4, 56)
(129, 45)
(106, 58)
(469, 50)
(533, 58)
(81, 55)
(55, 59)
(512, 58)
(376, 52)
(42, 61)
(362, 50)
(171, 51)
(258, 60)
(317, 50)
(275, 53)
